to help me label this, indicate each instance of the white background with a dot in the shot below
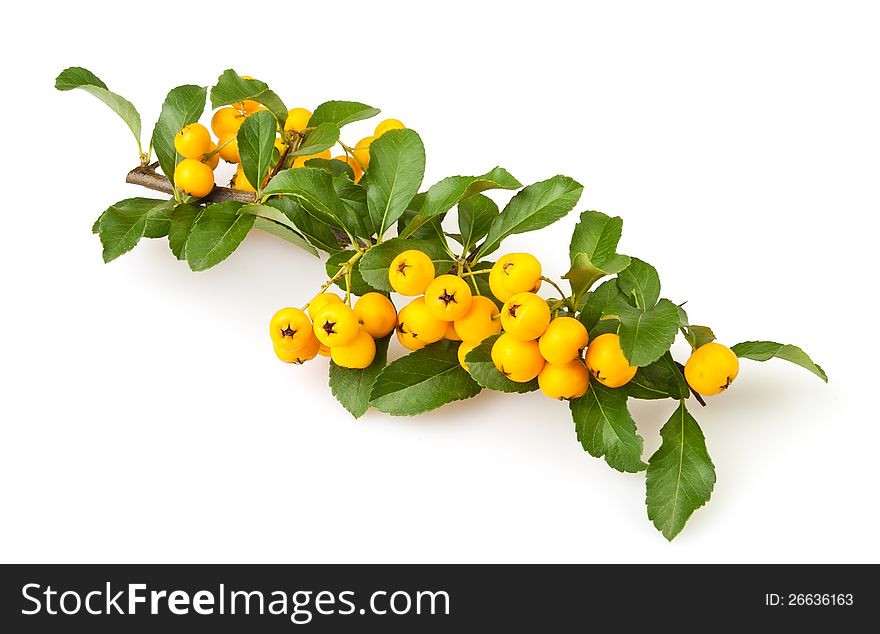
(145, 418)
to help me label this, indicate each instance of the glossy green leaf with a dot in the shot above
(766, 350)
(661, 379)
(341, 113)
(475, 216)
(605, 428)
(533, 207)
(183, 217)
(353, 387)
(422, 381)
(646, 334)
(314, 189)
(593, 251)
(216, 233)
(76, 77)
(123, 224)
(323, 137)
(319, 233)
(598, 302)
(641, 283)
(698, 335)
(256, 145)
(271, 220)
(680, 475)
(397, 166)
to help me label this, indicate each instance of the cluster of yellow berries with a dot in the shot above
(533, 343)
(194, 173)
(333, 329)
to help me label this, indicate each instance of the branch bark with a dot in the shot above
(146, 176)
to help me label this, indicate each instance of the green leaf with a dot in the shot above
(646, 334)
(336, 168)
(661, 379)
(533, 207)
(314, 189)
(605, 428)
(216, 233)
(123, 224)
(316, 141)
(341, 113)
(274, 221)
(593, 251)
(76, 77)
(475, 216)
(256, 145)
(598, 302)
(353, 387)
(640, 282)
(374, 265)
(429, 230)
(182, 106)
(354, 199)
(319, 233)
(183, 217)
(766, 350)
(397, 166)
(444, 195)
(423, 380)
(232, 88)
(680, 475)
(698, 335)
(358, 285)
(484, 372)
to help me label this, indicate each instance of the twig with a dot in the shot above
(146, 176)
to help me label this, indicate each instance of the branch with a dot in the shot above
(146, 176)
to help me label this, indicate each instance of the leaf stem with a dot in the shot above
(344, 271)
(470, 272)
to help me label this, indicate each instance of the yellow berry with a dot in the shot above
(336, 325)
(297, 119)
(481, 321)
(570, 380)
(308, 352)
(525, 316)
(353, 164)
(515, 273)
(229, 148)
(563, 341)
(358, 353)
(386, 125)
(411, 272)
(226, 121)
(211, 159)
(451, 333)
(240, 181)
(448, 297)
(518, 360)
(362, 151)
(416, 322)
(376, 314)
(711, 368)
(194, 177)
(192, 141)
(322, 300)
(607, 363)
(290, 329)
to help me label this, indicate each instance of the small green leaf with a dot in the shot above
(216, 233)
(314, 189)
(422, 381)
(232, 88)
(76, 77)
(475, 216)
(182, 106)
(336, 168)
(397, 166)
(444, 195)
(256, 145)
(323, 137)
(353, 387)
(274, 221)
(374, 265)
(605, 428)
(593, 251)
(680, 475)
(354, 199)
(698, 335)
(533, 207)
(484, 372)
(640, 282)
(319, 233)
(661, 379)
(123, 224)
(598, 302)
(183, 217)
(358, 285)
(766, 350)
(646, 334)
(341, 113)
